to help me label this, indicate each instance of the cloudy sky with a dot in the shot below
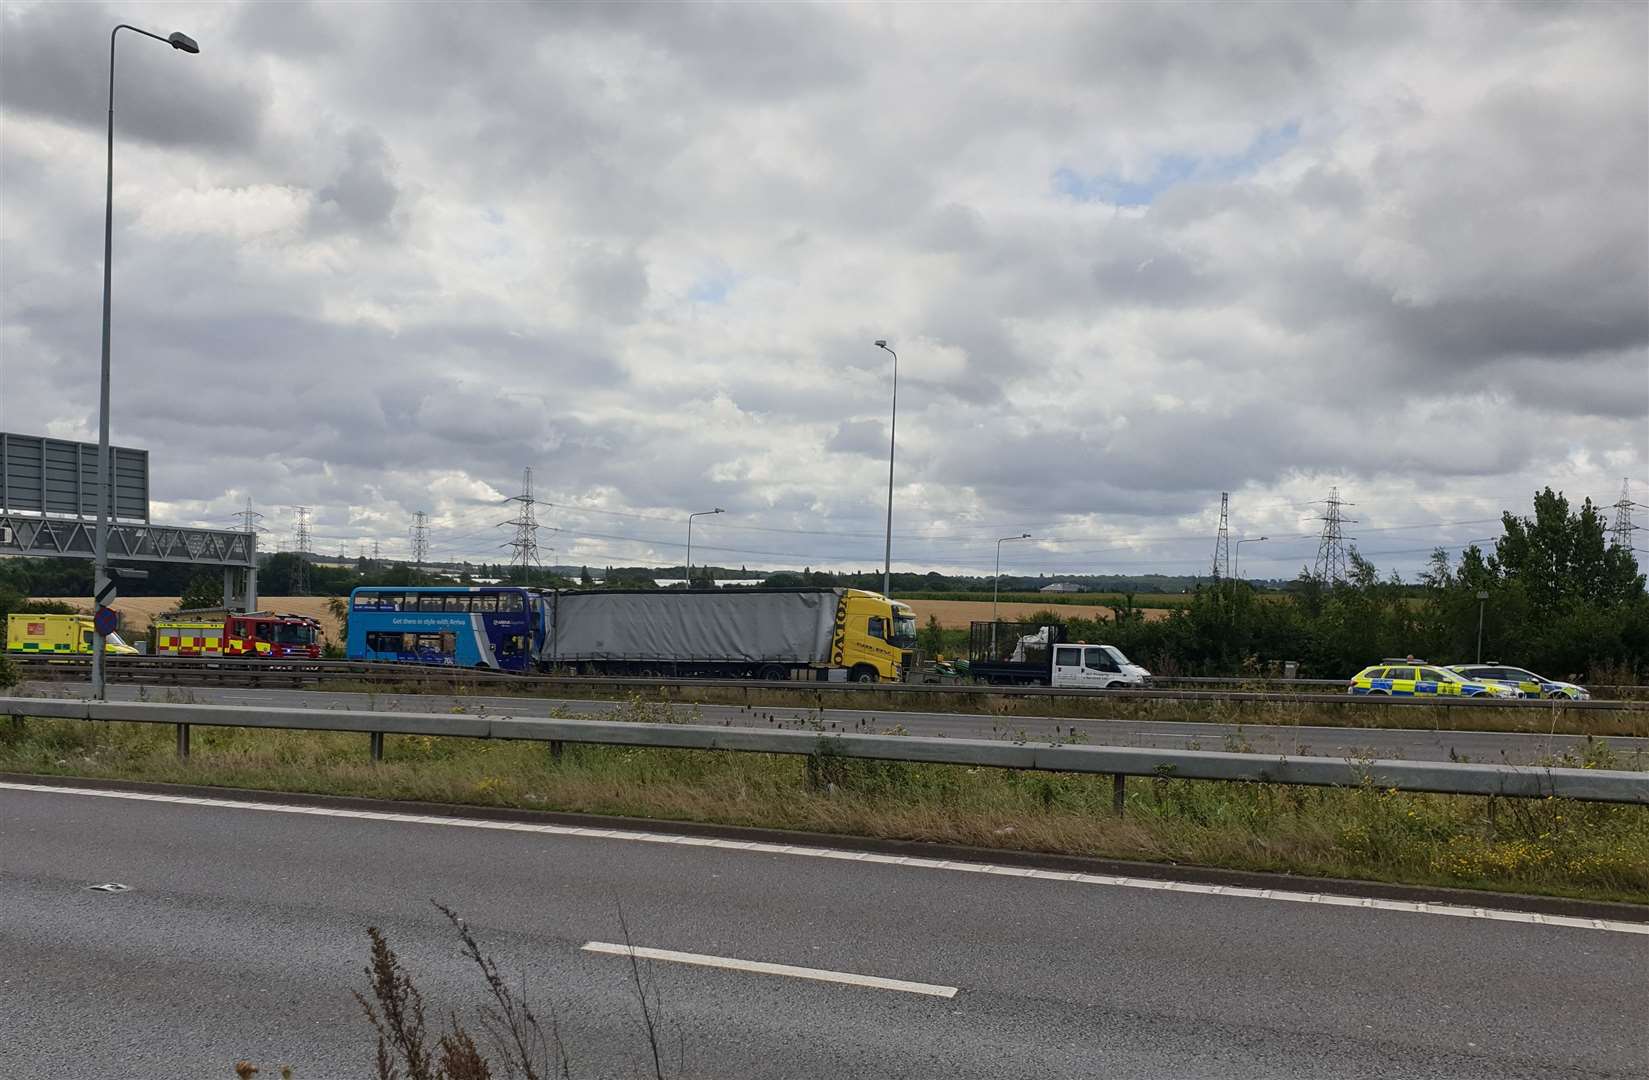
(377, 258)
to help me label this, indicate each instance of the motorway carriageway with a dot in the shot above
(1412, 744)
(241, 932)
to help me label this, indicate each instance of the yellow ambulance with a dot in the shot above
(57, 635)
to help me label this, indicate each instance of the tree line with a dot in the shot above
(1560, 599)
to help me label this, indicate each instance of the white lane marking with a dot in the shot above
(761, 967)
(1116, 881)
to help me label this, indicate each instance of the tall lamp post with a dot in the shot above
(1237, 562)
(892, 441)
(100, 568)
(1482, 598)
(690, 517)
(997, 580)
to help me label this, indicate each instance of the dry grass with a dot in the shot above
(958, 614)
(1582, 850)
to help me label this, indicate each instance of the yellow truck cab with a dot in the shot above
(875, 637)
(58, 635)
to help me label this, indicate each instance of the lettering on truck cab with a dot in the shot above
(838, 638)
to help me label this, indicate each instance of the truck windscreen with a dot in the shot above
(286, 634)
(904, 631)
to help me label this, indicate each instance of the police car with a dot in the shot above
(1415, 678)
(1523, 680)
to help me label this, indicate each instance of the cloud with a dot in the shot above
(363, 194)
(858, 437)
(1130, 258)
(54, 64)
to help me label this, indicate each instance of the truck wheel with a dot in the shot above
(774, 673)
(863, 674)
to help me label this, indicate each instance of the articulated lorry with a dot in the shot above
(816, 634)
(1014, 654)
(58, 635)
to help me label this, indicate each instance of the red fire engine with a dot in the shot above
(250, 634)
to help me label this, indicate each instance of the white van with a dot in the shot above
(1096, 667)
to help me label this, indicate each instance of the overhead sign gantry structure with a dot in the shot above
(48, 508)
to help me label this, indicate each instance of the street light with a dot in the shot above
(690, 517)
(1237, 561)
(1482, 598)
(892, 433)
(997, 580)
(100, 568)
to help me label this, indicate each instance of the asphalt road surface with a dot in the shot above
(1412, 744)
(242, 934)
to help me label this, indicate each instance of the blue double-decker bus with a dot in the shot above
(496, 627)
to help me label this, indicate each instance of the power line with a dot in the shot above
(980, 558)
(301, 542)
(249, 519)
(524, 547)
(1331, 549)
(1621, 533)
(1222, 539)
(420, 538)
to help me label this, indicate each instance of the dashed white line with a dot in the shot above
(1616, 926)
(761, 967)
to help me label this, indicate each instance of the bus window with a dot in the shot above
(510, 602)
(458, 602)
(431, 602)
(431, 645)
(380, 641)
(486, 602)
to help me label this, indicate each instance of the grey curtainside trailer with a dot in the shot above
(755, 633)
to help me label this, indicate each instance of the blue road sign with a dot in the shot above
(105, 621)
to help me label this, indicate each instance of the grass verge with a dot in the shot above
(1549, 847)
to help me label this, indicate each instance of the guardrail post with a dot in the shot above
(377, 746)
(183, 740)
(555, 749)
(1119, 792)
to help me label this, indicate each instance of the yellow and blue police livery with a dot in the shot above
(1523, 680)
(1416, 678)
